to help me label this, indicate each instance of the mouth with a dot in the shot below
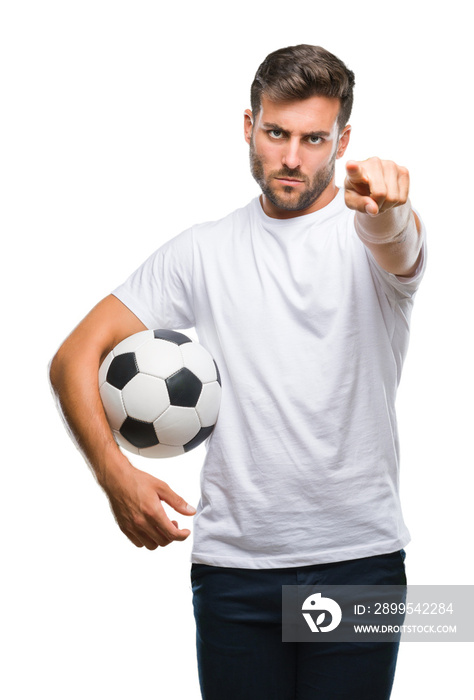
(289, 181)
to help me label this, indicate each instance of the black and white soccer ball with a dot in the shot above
(161, 393)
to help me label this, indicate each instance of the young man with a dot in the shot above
(303, 297)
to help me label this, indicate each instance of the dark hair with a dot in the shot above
(299, 72)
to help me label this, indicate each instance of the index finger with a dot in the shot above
(355, 171)
(166, 527)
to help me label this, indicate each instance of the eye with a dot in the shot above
(314, 139)
(276, 133)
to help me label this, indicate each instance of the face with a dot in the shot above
(293, 150)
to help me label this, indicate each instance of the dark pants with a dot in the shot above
(240, 652)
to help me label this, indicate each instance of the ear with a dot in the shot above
(248, 125)
(343, 141)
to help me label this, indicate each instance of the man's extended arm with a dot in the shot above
(135, 496)
(384, 221)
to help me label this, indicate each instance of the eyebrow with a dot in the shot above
(271, 125)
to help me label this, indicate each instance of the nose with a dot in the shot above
(291, 155)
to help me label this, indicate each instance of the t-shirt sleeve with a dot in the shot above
(159, 292)
(396, 287)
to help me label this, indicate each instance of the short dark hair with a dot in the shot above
(299, 72)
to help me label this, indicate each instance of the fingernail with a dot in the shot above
(190, 509)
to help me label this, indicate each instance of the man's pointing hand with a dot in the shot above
(373, 186)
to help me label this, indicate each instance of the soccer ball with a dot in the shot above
(161, 393)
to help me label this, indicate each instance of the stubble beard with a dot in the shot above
(313, 190)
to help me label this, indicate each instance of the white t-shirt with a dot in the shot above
(309, 335)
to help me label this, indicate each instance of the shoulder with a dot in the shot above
(226, 223)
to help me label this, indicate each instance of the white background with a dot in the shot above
(121, 125)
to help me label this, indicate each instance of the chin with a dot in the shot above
(302, 201)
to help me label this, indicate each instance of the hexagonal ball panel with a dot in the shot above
(113, 405)
(133, 342)
(159, 358)
(145, 397)
(209, 402)
(177, 426)
(199, 361)
(184, 388)
(162, 451)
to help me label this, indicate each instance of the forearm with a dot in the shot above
(393, 237)
(135, 496)
(74, 379)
